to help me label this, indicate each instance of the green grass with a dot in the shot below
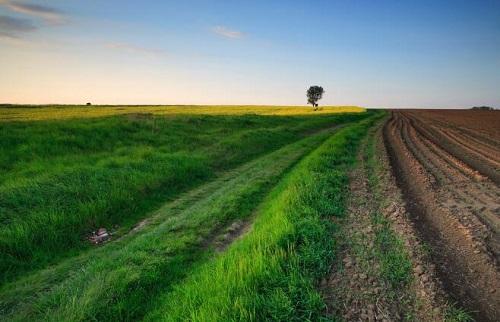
(457, 314)
(121, 280)
(60, 179)
(272, 273)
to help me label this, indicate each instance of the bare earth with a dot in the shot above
(447, 164)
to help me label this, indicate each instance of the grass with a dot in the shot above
(457, 314)
(33, 112)
(122, 279)
(272, 273)
(60, 179)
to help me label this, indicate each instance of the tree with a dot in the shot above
(483, 108)
(314, 94)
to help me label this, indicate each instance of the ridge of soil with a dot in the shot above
(454, 207)
(430, 299)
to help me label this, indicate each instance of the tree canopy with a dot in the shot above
(314, 94)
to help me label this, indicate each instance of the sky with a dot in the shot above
(373, 53)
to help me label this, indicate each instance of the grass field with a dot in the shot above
(50, 112)
(272, 273)
(61, 179)
(233, 162)
(64, 178)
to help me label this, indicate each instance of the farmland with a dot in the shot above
(448, 164)
(254, 213)
(51, 112)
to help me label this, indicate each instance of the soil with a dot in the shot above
(446, 163)
(430, 299)
(355, 290)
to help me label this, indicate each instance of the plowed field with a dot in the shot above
(447, 164)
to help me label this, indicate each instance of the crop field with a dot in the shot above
(448, 163)
(31, 113)
(248, 213)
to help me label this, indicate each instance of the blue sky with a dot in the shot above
(372, 53)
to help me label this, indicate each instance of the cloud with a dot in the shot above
(48, 14)
(11, 27)
(131, 48)
(227, 33)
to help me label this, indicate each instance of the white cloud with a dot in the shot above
(227, 33)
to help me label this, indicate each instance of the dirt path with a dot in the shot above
(355, 290)
(454, 207)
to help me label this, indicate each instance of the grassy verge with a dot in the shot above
(59, 180)
(271, 274)
(120, 280)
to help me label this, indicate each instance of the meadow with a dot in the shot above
(273, 272)
(168, 186)
(62, 179)
(202, 173)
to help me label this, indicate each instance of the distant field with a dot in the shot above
(32, 113)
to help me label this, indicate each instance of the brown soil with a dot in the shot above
(355, 290)
(471, 136)
(449, 179)
(430, 301)
(481, 123)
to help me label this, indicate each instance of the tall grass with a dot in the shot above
(121, 279)
(271, 274)
(61, 179)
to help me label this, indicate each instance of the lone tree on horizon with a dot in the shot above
(314, 94)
